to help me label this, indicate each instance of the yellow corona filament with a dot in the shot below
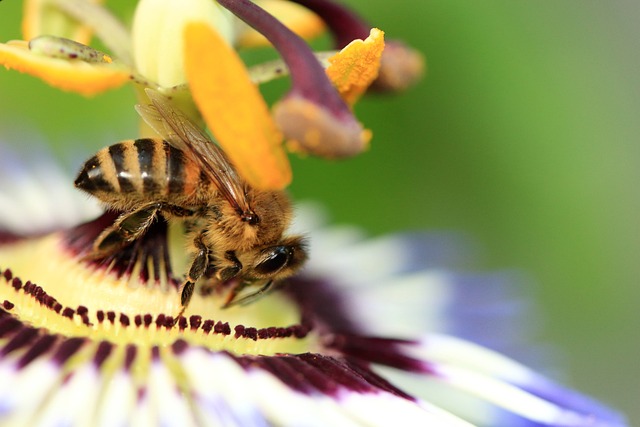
(356, 66)
(234, 109)
(298, 19)
(74, 76)
(43, 17)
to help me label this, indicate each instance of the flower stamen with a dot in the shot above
(401, 66)
(58, 47)
(313, 116)
(77, 76)
(106, 26)
(233, 107)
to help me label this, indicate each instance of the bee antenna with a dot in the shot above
(232, 301)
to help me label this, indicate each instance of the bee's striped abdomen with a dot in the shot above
(153, 165)
(150, 168)
(118, 154)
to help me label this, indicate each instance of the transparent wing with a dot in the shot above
(183, 134)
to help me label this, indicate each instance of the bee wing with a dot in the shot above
(183, 134)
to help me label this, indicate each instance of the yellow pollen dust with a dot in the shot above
(356, 66)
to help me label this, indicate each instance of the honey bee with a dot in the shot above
(238, 232)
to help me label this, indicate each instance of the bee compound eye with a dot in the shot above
(278, 258)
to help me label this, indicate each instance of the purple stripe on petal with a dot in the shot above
(179, 346)
(8, 237)
(130, 356)
(311, 373)
(68, 348)
(23, 337)
(321, 302)
(384, 351)
(155, 353)
(337, 372)
(41, 346)
(102, 353)
(378, 381)
(8, 325)
(351, 375)
(288, 369)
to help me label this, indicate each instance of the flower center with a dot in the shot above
(132, 297)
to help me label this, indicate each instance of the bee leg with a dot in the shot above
(197, 269)
(228, 273)
(177, 210)
(126, 229)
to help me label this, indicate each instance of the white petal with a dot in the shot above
(254, 396)
(117, 402)
(487, 388)
(39, 197)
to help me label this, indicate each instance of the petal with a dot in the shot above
(234, 109)
(405, 286)
(157, 34)
(45, 375)
(497, 390)
(39, 199)
(70, 75)
(308, 389)
(356, 66)
(297, 18)
(44, 17)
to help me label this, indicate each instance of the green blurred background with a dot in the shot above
(524, 135)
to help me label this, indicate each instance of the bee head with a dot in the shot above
(279, 261)
(264, 266)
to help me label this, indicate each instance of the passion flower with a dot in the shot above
(356, 339)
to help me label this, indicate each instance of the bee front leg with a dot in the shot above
(230, 268)
(126, 229)
(197, 269)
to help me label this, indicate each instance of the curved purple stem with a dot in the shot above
(308, 77)
(344, 23)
